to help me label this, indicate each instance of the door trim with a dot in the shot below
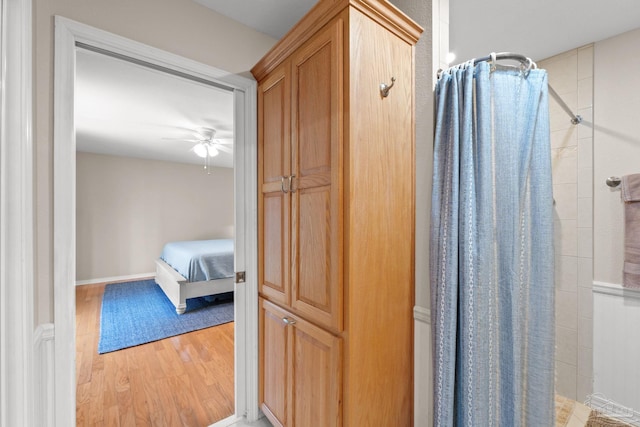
(16, 214)
(68, 34)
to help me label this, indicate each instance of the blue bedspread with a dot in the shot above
(200, 260)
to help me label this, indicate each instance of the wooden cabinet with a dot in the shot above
(274, 166)
(336, 218)
(300, 205)
(300, 360)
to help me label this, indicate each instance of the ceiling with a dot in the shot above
(126, 109)
(537, 29)
(271, 17)
(121, 111)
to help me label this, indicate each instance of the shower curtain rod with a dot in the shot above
(575, 118)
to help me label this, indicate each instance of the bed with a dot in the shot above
(196, 268)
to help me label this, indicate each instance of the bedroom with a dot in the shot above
(140, 185)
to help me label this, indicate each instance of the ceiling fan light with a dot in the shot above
(200, 150)
(213, 151)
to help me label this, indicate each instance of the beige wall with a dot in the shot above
(617, 147)
(571, 75)
(182, 27)
(421, 13)
(127, 209)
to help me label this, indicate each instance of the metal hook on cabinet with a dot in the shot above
(384, 88)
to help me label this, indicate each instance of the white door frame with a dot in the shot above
(67, 34)
(16, 214)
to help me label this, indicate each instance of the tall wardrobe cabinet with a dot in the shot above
(336, 218)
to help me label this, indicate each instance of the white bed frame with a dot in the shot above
(178, 289)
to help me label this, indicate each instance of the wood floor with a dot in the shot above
(185, 380)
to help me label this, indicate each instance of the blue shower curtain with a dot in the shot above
(492, 275)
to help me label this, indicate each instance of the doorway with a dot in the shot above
(140, 185)
(69, 35)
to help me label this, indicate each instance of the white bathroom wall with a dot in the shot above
(571, 75)
(617, 148)
(616, 153)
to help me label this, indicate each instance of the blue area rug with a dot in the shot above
(135, 313)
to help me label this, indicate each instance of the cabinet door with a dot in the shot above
(316, 376)
(274, 165)
(316, 208)
(274, 344)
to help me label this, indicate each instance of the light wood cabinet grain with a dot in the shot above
(316, 279)
(301, 381)
(274, 167)
(337, 208)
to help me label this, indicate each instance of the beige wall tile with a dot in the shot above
(585, 62)
(566, 237)
(566, 380)
(585, 272)
(585, 303)
(585, 212)
(585, 128)
(562, 71)
(585, 153)
(585, 93)
(585, 332)
(558, 117)
(564, 164)
(585, 361)
(567, 345)
(564, 137)
(584, 388)
(566, 197)
(567, 310)
(585, 182)
(566, 274)
(585, 242)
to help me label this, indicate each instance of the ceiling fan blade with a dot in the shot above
(181, 139)
(220, 142)
(224, 148)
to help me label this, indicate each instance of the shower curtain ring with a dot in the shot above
(529, 66)
(493, 61)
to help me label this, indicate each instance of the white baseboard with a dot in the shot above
(115, 279)
(422, 367)
(601, 403)
(43, 345)
(422, 314)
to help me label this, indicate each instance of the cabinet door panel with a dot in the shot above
(317, 376)
(314, 281)
(274, 125)
(313, 82)
(275, 235)
(274, 351)
(316, 205)
(274, 208)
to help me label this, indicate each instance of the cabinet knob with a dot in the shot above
(385, 88)
(288, 321)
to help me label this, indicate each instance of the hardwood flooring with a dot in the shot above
(185, 380)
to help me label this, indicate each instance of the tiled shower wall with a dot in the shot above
(571, 75)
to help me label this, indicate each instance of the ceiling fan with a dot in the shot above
(208, 146)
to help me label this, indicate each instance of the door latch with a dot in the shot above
(239, 276)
